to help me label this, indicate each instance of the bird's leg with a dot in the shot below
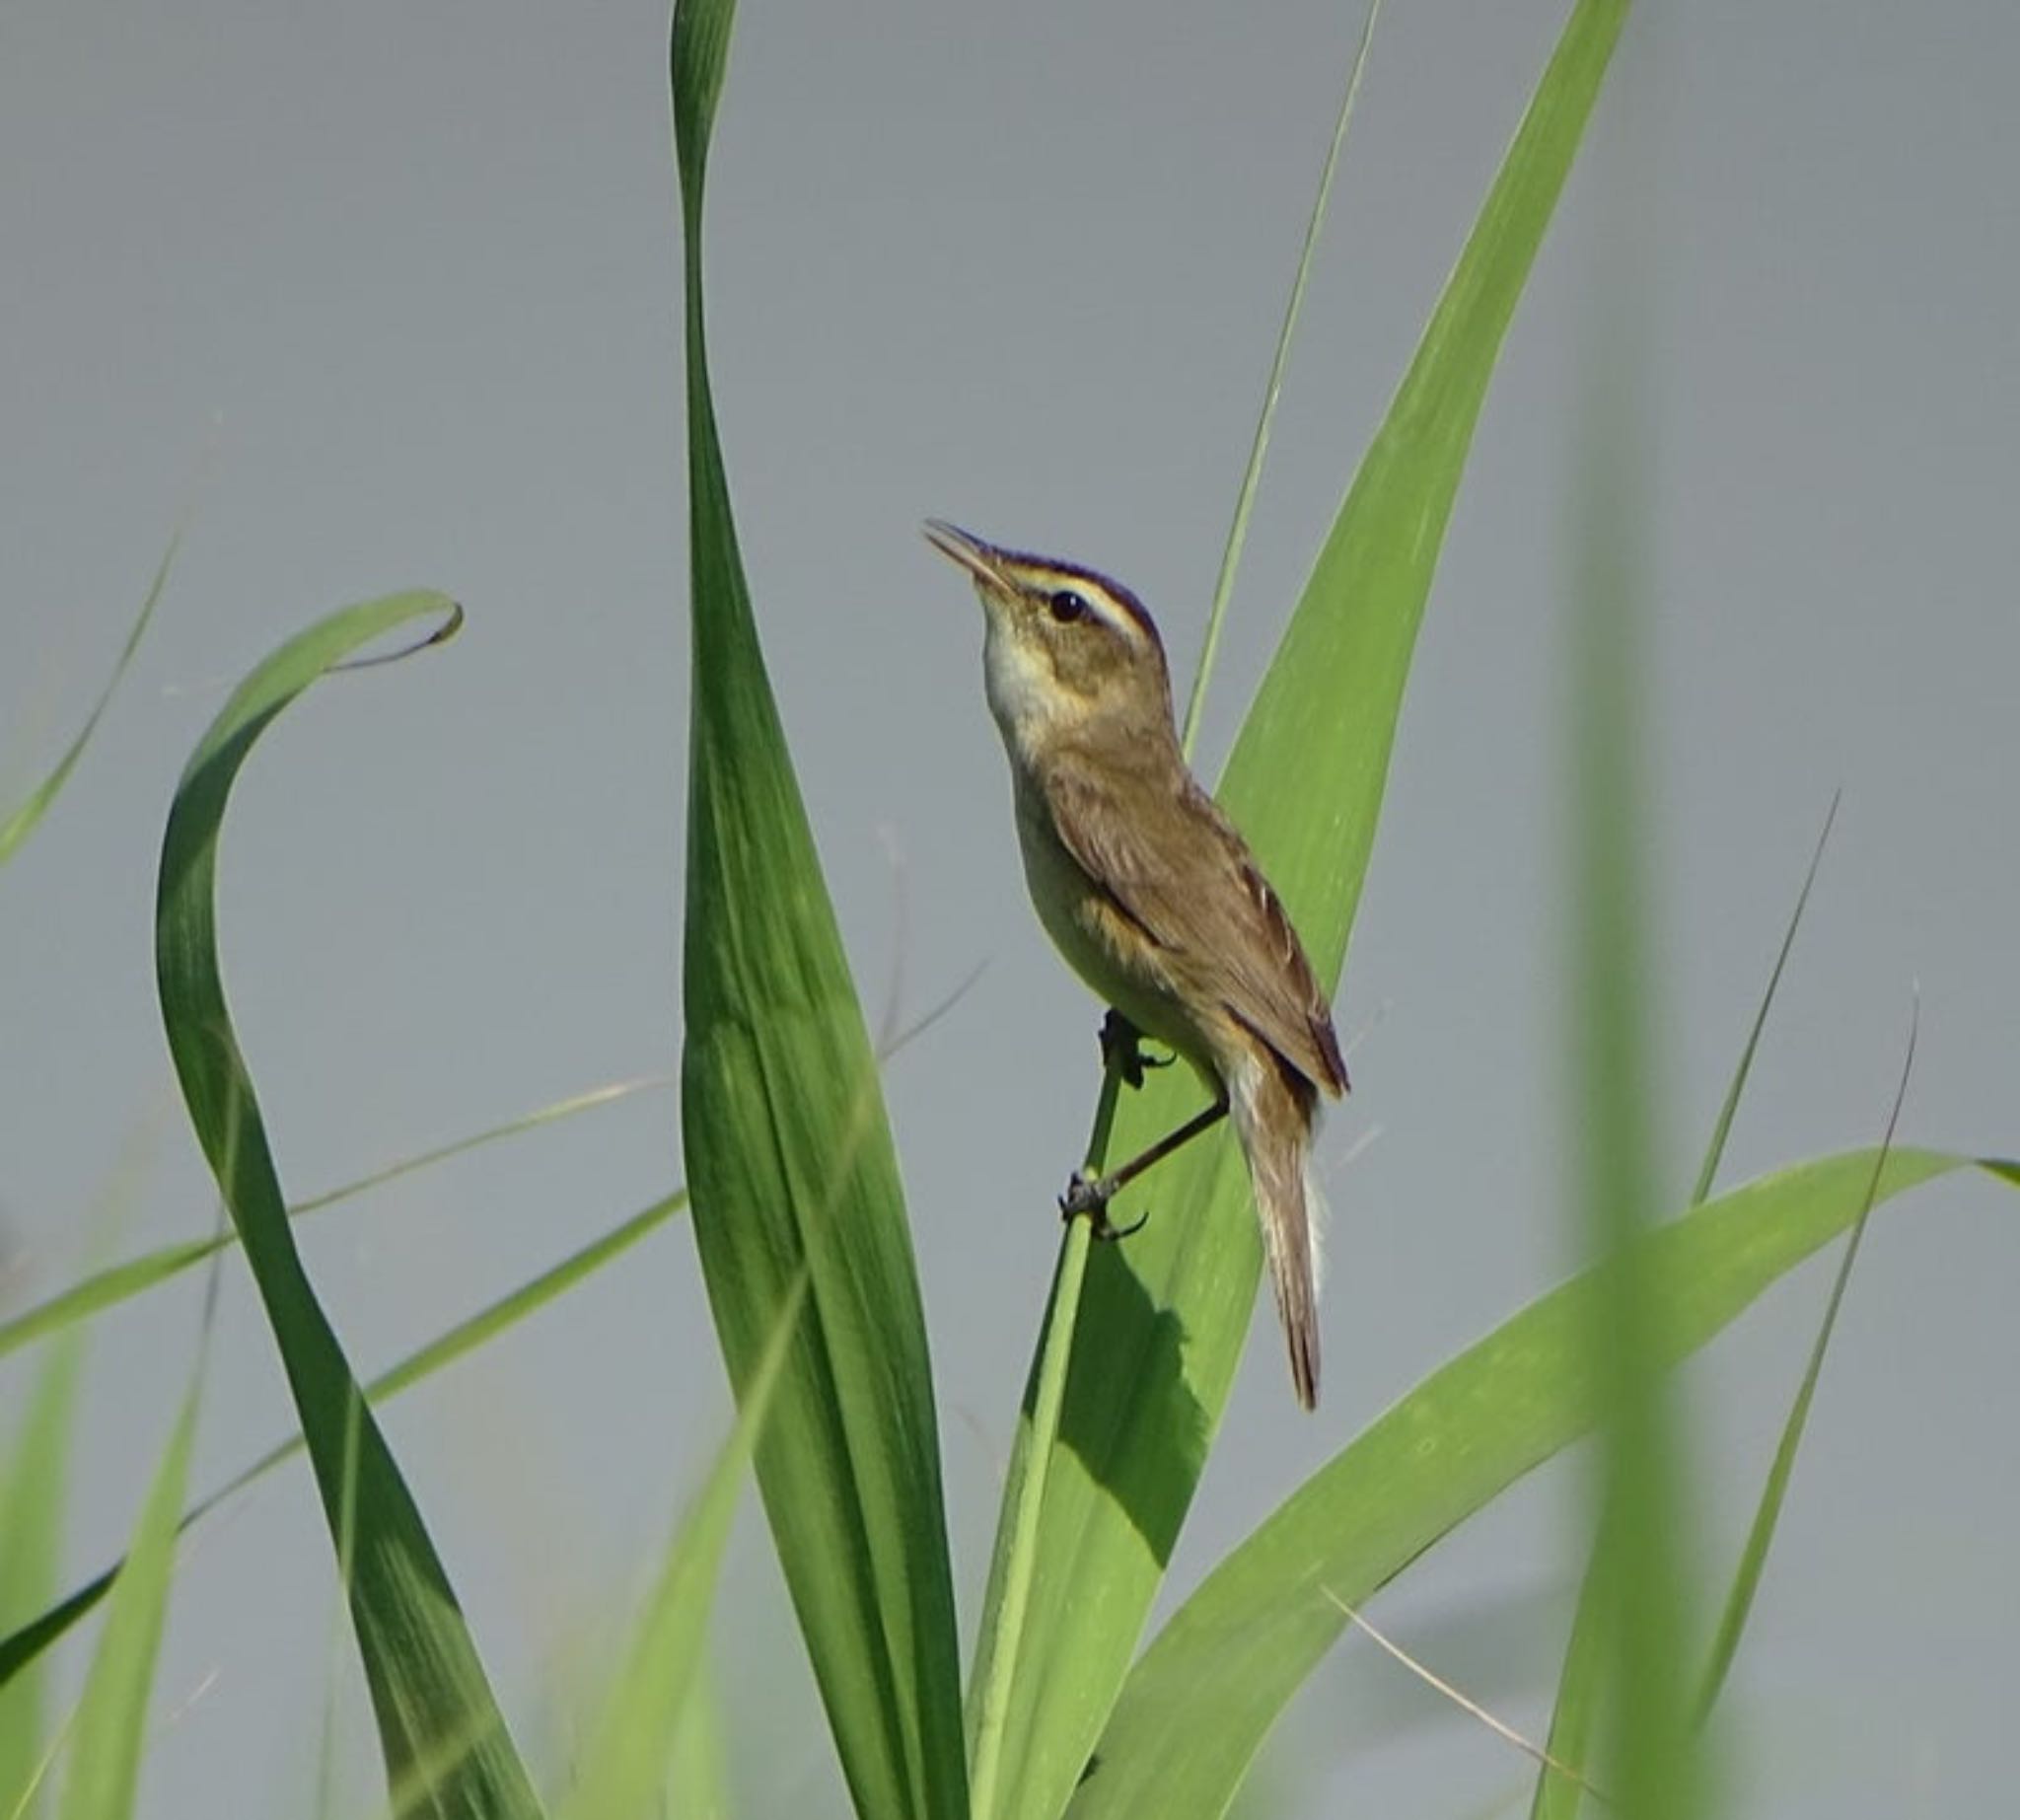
(1091, 1194)
(1121, 1050)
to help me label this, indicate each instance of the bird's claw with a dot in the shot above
(1121, 1050)
(1089, 1196)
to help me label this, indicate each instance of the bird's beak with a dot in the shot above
(980, 559)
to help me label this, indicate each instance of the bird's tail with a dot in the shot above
(1274, 1108)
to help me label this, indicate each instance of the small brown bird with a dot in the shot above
(1153, 896)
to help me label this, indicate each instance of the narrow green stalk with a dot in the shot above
(998, 1671)
(1245, 500)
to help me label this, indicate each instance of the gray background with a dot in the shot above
(408, 273)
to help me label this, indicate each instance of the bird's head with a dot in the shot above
(1067, 653)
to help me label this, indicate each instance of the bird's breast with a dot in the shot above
(1097, 937)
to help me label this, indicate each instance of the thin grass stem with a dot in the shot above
(999, 1670)
(1244, 499)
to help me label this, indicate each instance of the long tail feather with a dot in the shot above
(1272, 1108)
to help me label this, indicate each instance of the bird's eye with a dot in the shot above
(1067, 606)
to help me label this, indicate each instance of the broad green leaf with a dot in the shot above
(631, 1748)
(439, 1726)
(117, 1282)
(1165, 1315)
(22, 823)
(111, 1729)
(25, 1645)
(35, 1485)
(789, 1157)
(1197, 1706)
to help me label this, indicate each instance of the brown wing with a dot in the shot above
(1182, 871)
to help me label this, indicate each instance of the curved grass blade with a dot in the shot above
(22, 822)
(23, 1645)
(1165, 1316)
(789, 1157)
(1197, 1706)
(108, 1288)
(435, 1709)
(632, 1745)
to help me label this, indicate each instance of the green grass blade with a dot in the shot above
(22, 823)
(1651, 1765)
(1273, 390)
(111, 1729)
(34, 1489)
(1197, 1706)
(119, 1282)
(1753, 1560)
(789, 1156)
(20, 1648)
(436, 1718)
(631, 1748)
(103, 1290)
(1582, 1681)
(1165, 1315)
(1714, 1151)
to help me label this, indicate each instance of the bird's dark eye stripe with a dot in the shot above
(1068, 605)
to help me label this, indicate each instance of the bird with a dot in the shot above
(1153, 898)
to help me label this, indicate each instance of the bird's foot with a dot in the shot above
(1088, 1197)
(1121, 1050)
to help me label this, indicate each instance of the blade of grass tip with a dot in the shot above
(626, 1766)
(110, 1728)
(1739, 1602)
(17, 828)
(436, 1713)
(789, 1150)
(1582, 1681)
(1714, 1151)
(1167, 1314)
(1252, 474)
(117, 1282)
